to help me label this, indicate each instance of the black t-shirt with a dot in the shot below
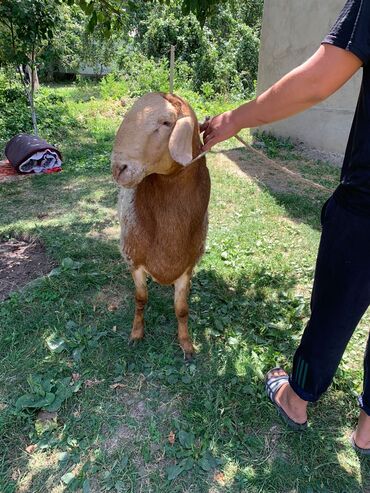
(352, 32)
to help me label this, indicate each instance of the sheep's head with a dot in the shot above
(158, 135)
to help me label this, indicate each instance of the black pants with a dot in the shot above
(340, 296)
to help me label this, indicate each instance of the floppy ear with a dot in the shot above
(181, 140)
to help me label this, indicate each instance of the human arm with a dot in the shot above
(305, 86)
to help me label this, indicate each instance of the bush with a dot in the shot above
(15, 116)
(113, 86)
(222, 57)
(247, 58)
(166, 27)
(54, 121)
(143, 74)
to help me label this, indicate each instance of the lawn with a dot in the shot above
(136, 418)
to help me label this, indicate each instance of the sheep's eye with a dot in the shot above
(167, 124)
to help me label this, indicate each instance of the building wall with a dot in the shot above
(292, 30)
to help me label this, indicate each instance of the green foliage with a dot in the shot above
(64, 51)
(248, 303)
(113, 86)
(28, 24)
(165, 27)
(224, 53)
(246, 58)
(142, 74)
(217, 57)
(54, 121)
(46, 393)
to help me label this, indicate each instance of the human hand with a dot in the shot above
(217, 129)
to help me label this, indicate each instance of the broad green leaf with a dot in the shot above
(34, 401)
(86, 486)
(68, 477)
(55, 344)
(120, 486)
(55, 272)
(205, 464)
(186, 439)
(173, 472)
(63, 456)
(63, 392)
(187, 463)
(70, 324)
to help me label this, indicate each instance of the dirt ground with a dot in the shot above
(8, 173)
(21, 261)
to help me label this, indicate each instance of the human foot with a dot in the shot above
(292, 408)
(361, 436)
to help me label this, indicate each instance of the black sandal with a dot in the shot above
(272, 385)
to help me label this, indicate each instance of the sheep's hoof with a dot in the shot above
(188, 349)
(135, 338)
(189, 358)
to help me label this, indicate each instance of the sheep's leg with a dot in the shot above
(141, 298)
(182, 286)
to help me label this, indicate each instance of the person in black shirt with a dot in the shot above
(341, 291)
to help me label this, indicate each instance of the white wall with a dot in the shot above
(292, 30)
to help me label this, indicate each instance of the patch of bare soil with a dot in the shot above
(21, 261)
(8, 173)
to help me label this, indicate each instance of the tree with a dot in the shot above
(26, 26)
(109, 13)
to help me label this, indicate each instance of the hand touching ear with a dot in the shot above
(309, 84)
(217, 129)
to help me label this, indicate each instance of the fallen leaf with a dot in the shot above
(112, 307)
(76, 377)
(171, 438)
(91, 383)
(219, 476)
(31, 448)
(117, 386)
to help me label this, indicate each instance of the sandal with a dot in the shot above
(272, 385)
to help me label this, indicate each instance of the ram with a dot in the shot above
(163, 201)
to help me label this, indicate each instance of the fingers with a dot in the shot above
(209, 142)
(210, 133)
(203, 126)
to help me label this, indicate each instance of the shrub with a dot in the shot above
(143, 74)
(247, 58)
(54, 121)
(113, 86)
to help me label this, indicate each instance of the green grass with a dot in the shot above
(249, 303)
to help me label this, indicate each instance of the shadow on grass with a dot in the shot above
(223, 403)
(242, 328)
(301, 200)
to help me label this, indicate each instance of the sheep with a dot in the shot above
(163, 201)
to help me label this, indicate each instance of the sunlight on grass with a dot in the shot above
(142, 420)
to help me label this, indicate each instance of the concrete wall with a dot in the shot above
(292, 30)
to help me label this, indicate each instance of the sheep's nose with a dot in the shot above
(118, 169)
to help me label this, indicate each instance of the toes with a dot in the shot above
(276, 373)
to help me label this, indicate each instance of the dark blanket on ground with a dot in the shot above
(22, 147)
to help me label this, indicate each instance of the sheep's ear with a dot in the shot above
(181, 140)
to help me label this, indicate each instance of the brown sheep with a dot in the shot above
(162, 202)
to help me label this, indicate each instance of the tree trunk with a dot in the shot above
(34, 86)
